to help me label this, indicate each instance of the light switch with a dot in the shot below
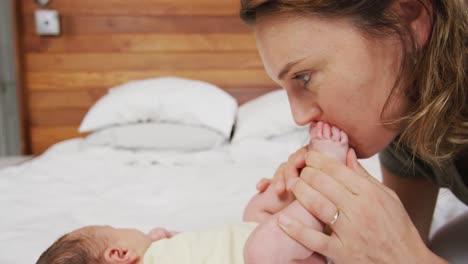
(47, 22)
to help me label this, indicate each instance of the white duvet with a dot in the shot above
(73, 185)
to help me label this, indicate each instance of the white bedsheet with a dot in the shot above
(73, 185)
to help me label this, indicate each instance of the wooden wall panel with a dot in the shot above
(134, 43)
(111, 25)
(108, 42)
(108, 62)
(140, 7)
(45, 136)
(91, 80)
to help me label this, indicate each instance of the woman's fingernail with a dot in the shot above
(284, 220)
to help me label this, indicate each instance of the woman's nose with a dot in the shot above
(304, 110)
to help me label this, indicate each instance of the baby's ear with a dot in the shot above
(119, 255)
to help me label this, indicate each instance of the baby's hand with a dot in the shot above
(286, 174)
(159, 233)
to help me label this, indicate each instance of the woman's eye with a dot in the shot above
(304, 78)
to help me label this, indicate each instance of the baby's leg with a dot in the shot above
(268, 243)
(263, 205)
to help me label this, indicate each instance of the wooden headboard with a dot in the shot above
(107, 42)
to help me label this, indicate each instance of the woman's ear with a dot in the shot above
(119, 255)
(417, 14)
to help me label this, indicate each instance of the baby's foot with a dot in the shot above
(329, 140)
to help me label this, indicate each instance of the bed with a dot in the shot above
(78, 182)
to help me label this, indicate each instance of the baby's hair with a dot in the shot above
(79, 247)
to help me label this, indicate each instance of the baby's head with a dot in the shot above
(98, 245)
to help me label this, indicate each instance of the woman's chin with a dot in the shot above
(364, 153)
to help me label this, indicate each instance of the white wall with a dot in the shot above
(9, 129)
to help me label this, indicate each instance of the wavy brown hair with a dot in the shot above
(433, 77)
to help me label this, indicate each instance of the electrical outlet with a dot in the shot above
(47, 22)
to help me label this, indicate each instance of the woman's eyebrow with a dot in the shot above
(288, 68)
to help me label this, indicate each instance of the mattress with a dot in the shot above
(74, 184)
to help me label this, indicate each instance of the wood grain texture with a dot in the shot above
(44, 137)
(58, 99)
(132, 43)
(57, 117)
(85, 80)
(140, 7)
(110, 25)
(109, 42)
(108, 62)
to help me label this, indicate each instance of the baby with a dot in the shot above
(258, 240)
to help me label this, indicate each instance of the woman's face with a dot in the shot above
(333, 73)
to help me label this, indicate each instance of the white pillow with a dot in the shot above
(157, 136)
(267, 116)
(167, 99)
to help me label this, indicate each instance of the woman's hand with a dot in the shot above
(371, 225)
(286, 174)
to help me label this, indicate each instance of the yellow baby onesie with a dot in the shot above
(223, 245)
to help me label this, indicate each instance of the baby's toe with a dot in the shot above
(316, 132)
(336, 134)
(326, 131)
(344, 138)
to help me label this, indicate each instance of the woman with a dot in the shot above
(392, 75)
